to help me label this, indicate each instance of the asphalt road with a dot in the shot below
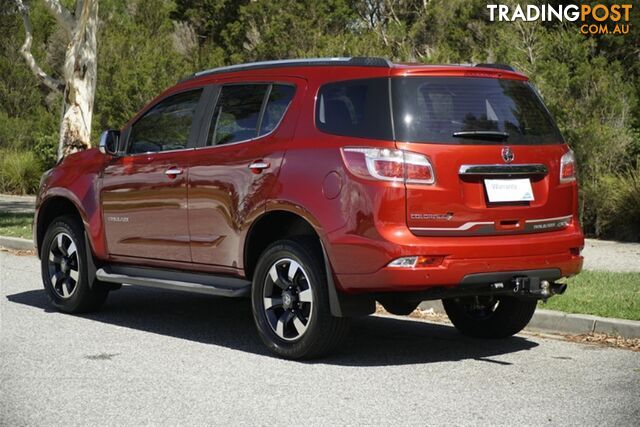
(153, 357)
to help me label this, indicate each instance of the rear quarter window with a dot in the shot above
(356, 108)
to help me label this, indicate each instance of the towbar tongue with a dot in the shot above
(525, 285)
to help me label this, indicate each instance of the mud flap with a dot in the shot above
(91, 265)
(91, 268)
(342, 305)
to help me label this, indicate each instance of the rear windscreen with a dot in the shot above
(433, 109)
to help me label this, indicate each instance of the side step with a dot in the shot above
(176, 280)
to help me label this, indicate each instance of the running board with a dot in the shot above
(176, 281)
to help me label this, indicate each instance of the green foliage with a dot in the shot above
(590, 83)
(137, 59)
(614, 205)
(45, 148)
(28, 114)
(19, 172)
(291, 29)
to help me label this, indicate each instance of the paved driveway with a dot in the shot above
(154, 357)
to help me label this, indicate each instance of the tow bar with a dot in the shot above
(531, 285)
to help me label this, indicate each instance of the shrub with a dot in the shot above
(626, 198)
(46, 148)
(611, 206)
(19, 172)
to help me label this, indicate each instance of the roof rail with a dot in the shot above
(357, 61)
(497, 66)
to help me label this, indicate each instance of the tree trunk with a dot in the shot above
(80, 72)
(78, 84)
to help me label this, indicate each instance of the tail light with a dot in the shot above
(568, 167)
(389, 165)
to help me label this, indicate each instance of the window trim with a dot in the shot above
(205, 132)
(192, 139)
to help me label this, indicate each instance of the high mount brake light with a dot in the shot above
(389, 165)
(568, 167)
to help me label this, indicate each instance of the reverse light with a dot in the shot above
(389, 165)
(416, 261)
(568, 167)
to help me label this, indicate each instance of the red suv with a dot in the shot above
(318, 187)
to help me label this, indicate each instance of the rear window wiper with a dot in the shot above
(482, 134)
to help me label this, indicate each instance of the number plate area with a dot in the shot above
(508, 190)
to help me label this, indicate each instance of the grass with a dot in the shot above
(16, 224)
(600, 293)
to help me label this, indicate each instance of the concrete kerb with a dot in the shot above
(16, 243)
(567, 323)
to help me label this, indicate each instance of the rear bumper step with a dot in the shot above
(176, 281)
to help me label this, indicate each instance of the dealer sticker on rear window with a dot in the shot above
(509, 190)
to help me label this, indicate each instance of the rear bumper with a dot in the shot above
(463, 257)
(453, 272)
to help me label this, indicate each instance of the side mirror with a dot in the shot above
(109, 142)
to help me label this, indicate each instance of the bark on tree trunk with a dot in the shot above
(80, 70)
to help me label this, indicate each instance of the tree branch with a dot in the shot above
(62, 15)
(25, 50)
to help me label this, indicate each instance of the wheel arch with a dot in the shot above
(279, 224)
(269, 227)
(50, 209)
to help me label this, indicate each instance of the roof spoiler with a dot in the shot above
(497, 66)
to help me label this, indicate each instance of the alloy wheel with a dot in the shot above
(288, 299)
(63, 265)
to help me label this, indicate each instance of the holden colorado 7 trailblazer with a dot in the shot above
(318, 187)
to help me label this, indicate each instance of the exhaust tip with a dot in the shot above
(558, 288)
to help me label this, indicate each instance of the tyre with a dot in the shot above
(290, 301)
(489, 317)
(399, 307)
(63, 262)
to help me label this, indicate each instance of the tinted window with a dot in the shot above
(357, 108)
(237, 114)
(432, 109)
(166, 126)
(279, 99)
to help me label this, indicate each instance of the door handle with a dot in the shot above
(173, 171)
(258, 166)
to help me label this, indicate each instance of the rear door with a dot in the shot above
(144, 191)
(235, 168)
(495, 152)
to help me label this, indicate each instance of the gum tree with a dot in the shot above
(78, 81)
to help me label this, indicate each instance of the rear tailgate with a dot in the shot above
(458, 204)
(495, 152)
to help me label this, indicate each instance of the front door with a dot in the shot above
(144, 192)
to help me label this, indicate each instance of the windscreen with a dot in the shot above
(470, 110)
